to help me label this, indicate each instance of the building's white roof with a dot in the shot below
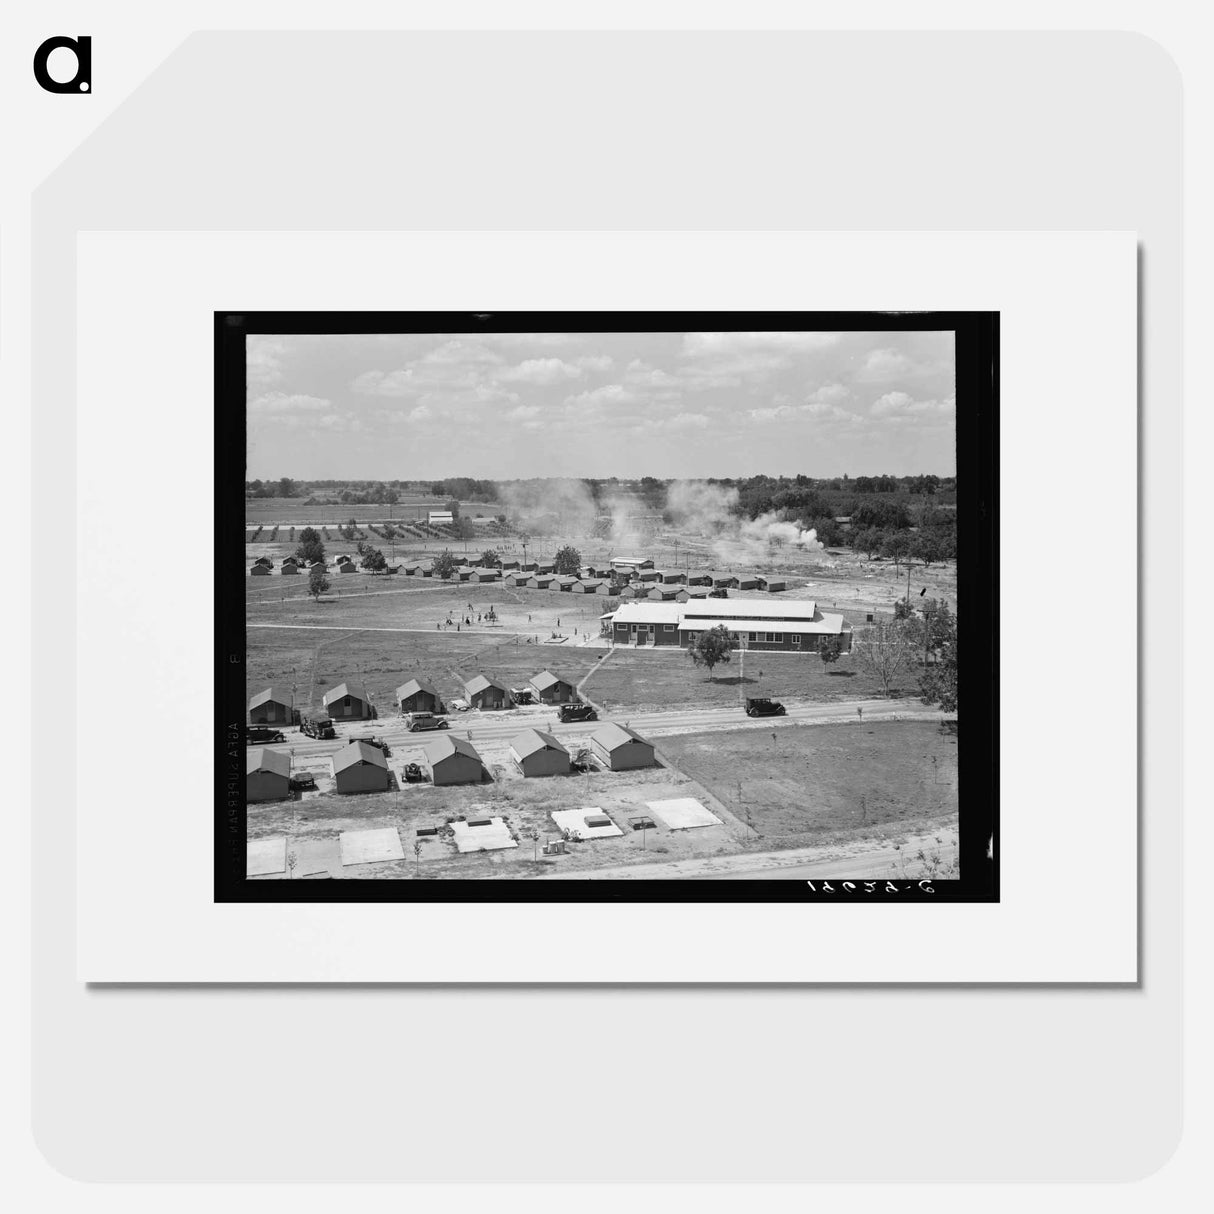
(825, 623)
(647, 611)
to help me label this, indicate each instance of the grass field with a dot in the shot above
(805, 785)
(651, 680)
(314, 661)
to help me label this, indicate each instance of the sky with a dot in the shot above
(685, 405)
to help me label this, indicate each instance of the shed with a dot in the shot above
(648, 575)
(772, 584)
(747, 582)
(685, 595)
(270, 707)
(453, 761)
(419, 695)
(267, 774)
(527, 566)
(660, 593)
(541, 581)
(552, 689)
(360, 767)
(290, 567)
(589, 586)
(725, 580)
(702, 578)
(346, 566)
(485, 693)
(347, 702)
(621, 749)
(487, 575)
(260, 571)
(464, 573)
(565, 582)
(510, 563)
(539, 754)
(671, 577)
(545, 566)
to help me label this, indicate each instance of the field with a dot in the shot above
(796, 786)
(525, 804)
(807, 785)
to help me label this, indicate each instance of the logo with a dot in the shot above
(82, 81)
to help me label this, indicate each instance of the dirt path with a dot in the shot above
(894, 860)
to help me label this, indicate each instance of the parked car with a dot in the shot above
(577, 712)
(417, 721)
(718, 592)
(302, 780)
(413, 773)
(259, 733)
(378, 743)
(522, 695)
(458, 705)
(318, 727)
(759, 707)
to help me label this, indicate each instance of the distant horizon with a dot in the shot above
(675, 406)
(391, 480)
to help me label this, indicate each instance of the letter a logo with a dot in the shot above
(82, 81)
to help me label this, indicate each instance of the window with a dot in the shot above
(796, 638)
(667, 627)
(756, 636)
(775, 638)
(346, 702)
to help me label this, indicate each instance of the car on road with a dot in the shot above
(258, 733)
(577, 712)
(413, 773)
(417, 721)
(759, 707)
(378, 743)
(302, 781)
(318, 726)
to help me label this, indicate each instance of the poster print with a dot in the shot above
(587, 607)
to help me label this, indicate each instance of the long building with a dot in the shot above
(782, 625)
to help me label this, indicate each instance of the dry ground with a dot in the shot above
(801, 786)
(525, 804)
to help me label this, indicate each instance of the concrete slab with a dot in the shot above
(316, 856)
(683, 813)
(263, 857)
(371, 846)
(493, 837)
(577, 820)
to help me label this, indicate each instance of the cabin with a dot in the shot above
(772, 585)
(539, 754)
(453, 761)
(348, 702)
(540, 581)
(487, 694)
(620, 749)
(418, 695)
(260, 571)
(550, 689)
(271, 707)
(360, 767)
(267, 774)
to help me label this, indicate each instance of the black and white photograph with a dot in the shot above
(575, 607)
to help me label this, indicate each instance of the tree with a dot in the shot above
(286, 487)
(938, 682)
(869, 540)
(464, 529)
(829, 649)
(453, 507)
(373, 560)
(350, 530)
(491, 559)
(310, 546)
(927, 548)
(902, 610)
(897, 546)
(318, 582)
(712, 647)
(885, 649)
(568, 560)
(445, 564)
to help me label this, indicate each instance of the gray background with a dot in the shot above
(677, 131)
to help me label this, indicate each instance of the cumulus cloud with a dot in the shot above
(264, 355)
(281, 404)
(716, 345)
(608, 394)
(902, 404)
(541, 371)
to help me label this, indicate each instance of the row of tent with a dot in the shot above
(350, 702)
(361, 767)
